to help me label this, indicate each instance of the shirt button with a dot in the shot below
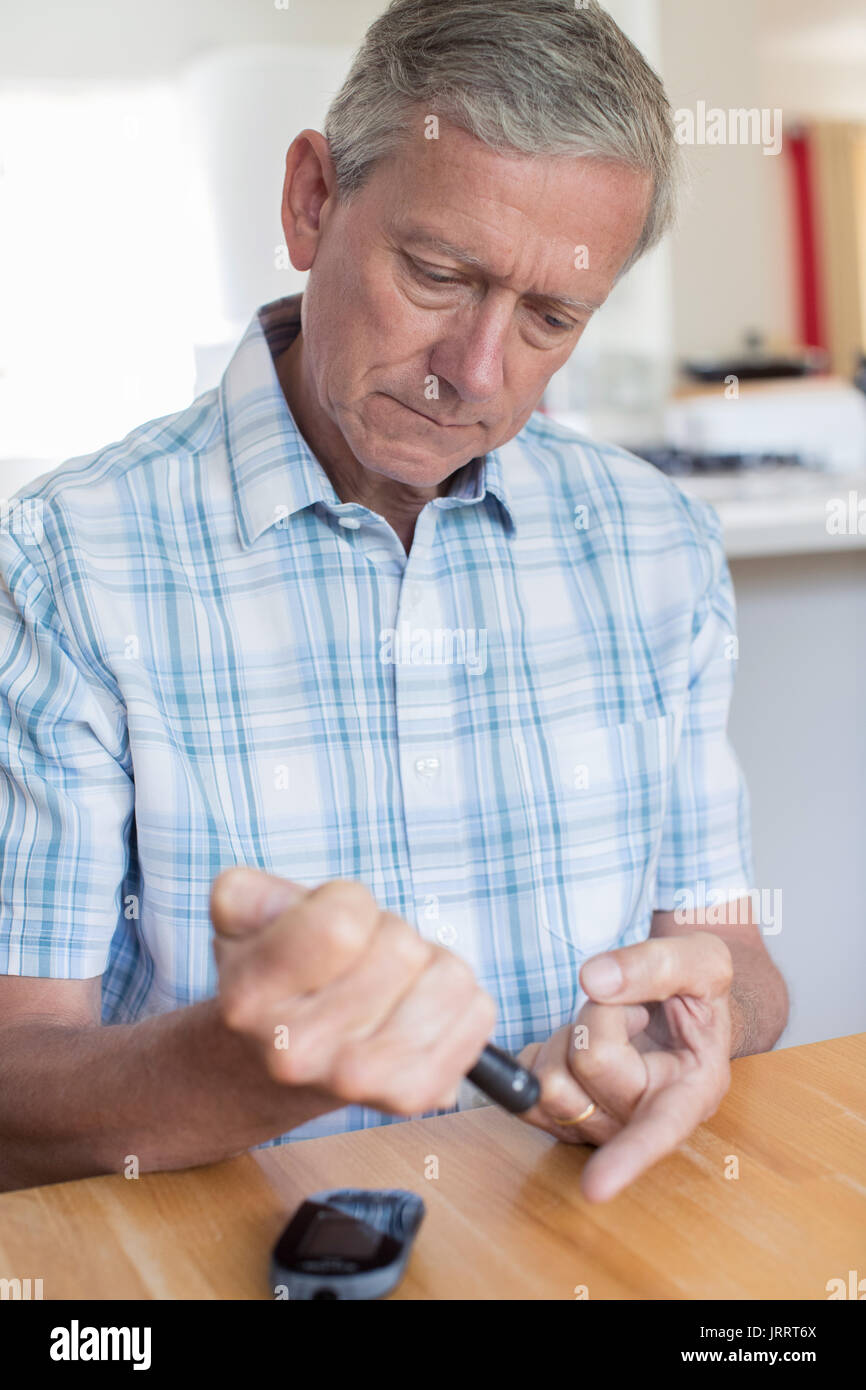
(412, 595)
(351, 523)
(427, 768)
(446, 934)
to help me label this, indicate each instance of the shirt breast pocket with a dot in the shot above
(610, 797)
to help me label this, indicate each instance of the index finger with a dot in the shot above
(661, 1122)
(675, 1102)
(654, 970)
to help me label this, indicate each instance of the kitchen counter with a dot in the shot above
(785, 511)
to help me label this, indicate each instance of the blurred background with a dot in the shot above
(141, 163)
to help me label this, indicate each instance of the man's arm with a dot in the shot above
(324, 1001)
(77, 1099)
(759, 996)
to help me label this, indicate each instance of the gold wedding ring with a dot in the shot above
(584, 1115)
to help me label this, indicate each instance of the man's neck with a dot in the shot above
(398, 503)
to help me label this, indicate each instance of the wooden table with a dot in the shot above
(505, 1217)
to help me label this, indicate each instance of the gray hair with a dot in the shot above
(543, 77)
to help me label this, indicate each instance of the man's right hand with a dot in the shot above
(345, 998)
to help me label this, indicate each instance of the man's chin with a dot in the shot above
(412, 465)
(419, 459)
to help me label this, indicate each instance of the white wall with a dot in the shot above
(146, 38)
(797, 725)
(140, 182)
(733, 254)
(732, 266)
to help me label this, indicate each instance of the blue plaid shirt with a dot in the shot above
(515, 736)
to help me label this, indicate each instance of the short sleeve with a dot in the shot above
(706, 850)
(65, 798)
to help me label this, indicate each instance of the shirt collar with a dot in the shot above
(476, 479)
(274, 472)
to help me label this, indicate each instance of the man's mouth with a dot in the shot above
(431, 420)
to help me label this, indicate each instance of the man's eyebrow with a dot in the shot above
(445, 248)
(459, 253)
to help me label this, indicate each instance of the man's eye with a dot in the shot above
(553, 322)
(432, 276)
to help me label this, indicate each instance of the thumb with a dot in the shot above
(244, 899)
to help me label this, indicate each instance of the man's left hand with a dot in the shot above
(650, 1048)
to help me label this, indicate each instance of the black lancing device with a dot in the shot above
(503, 1080)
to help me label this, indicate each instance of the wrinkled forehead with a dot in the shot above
(456, 194)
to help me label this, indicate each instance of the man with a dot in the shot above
(450, 680)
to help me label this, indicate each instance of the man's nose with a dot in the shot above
(471, 353)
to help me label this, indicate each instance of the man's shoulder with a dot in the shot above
(617, 485)
(91, 482)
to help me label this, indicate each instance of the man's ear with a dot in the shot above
(310, 184)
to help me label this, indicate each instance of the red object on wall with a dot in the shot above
(812, 322)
